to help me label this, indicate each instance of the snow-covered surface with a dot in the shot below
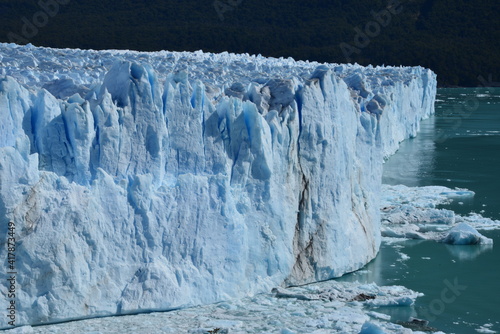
(414, 213)
(327, 307)
(153, 181)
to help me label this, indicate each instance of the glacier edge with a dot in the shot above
(142, 182)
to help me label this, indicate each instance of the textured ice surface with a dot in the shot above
(322, 308)
(464, 234)
(411, 212)
(152, 181)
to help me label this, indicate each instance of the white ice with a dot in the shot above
(322, 308)
(464, 234)
(412, 212)
(153, 181)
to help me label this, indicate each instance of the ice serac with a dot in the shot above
(152, 181)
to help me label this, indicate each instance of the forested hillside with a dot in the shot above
(458, 39)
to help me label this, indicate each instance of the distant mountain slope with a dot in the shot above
(458, 39)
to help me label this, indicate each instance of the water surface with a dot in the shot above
(458, 147)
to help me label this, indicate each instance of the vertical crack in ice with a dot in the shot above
(304, 261)
(303, 254)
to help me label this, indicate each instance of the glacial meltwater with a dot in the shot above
(458, 147)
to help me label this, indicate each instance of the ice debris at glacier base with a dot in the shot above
(153, 181)
(411, 212)
(320, 308)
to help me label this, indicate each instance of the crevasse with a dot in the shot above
(153, 181)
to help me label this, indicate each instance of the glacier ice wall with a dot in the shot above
(152, 181)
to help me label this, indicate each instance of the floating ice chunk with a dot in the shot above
(479, 222)
(392, 301)
(283, 293)
(407, 213)
(458, 194)
(425, 197)
(464, 234)
(408, 231)
(371, 328)
(410, 212)
(485, 329)
(404, 257)
(367, 294)
(378, 315)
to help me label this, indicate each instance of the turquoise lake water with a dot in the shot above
(458, 147)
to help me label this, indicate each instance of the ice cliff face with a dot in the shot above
(151, 181)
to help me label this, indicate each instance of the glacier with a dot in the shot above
(155, 181)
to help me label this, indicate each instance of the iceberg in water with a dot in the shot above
(412, 212)
(464, 234)
(153, 181)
